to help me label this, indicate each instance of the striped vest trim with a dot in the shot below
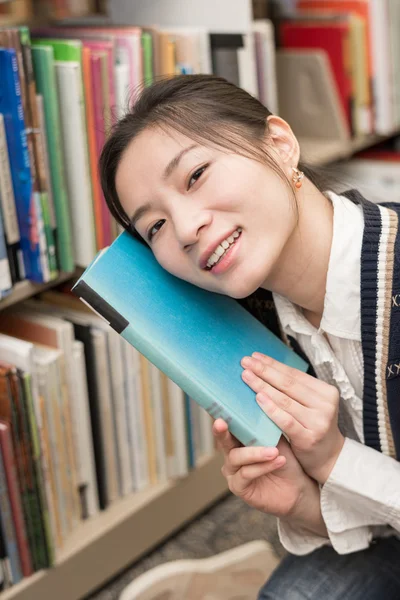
(379, 255)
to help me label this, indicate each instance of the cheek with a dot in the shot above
(170, 260)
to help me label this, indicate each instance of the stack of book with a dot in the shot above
(85, 419)
(360, 38)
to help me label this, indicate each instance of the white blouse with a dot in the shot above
(361, 498)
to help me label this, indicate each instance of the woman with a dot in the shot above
(201, 172)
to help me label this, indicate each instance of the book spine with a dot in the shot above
(49, 214)
(33, 434)
(10, 411)
(11, 106)
(15, 500)
(98, 106)
(5, 571)
(7, 523)
(33, 494)
(190, 433)
(8, 207)
(46, 86)
(28, 97)
(5, 273)
(47, 456)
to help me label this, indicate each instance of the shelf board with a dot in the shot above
(26, 289)
(317, 152)
(118, 536)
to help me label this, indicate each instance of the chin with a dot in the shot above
(242, 289)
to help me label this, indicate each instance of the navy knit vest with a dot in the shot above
(380, 323)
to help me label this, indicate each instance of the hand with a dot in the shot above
(303, 407)
(268, 479)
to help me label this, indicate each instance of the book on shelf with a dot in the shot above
(194, 336)
(94, 421)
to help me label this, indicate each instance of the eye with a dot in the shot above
(153, 230)
(196, 175)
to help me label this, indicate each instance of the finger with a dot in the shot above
(246, 475)
(286, 422)
(282, 381)
(301, 413)
(315, 384)
(238, 457)
(225, 440)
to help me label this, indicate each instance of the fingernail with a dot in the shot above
(247, 375)
(262, 398)
(246, 361)
(268, 452)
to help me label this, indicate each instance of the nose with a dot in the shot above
(189, 223)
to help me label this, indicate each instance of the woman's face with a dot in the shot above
(216, 219)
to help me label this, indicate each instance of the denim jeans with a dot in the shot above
(371, 574)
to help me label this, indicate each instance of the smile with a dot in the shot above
(221, 250)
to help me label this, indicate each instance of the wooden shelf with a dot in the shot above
(322, 152)
(108, 543)
(27, 289)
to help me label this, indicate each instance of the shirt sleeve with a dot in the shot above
(297, 540)
(361, 493)
(360, 498)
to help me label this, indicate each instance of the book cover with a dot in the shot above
(197, 338)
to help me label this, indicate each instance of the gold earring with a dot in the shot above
(297, 177)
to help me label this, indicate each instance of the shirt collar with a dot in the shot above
(341, 316)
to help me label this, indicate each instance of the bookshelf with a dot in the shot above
(132, 526)
(26, 289)
(323, 152)
(135, 524)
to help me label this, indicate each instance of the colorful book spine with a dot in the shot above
(33, 434)
(5, 273)
(35, 125)
(10, 468)
(43, 63)
(8, 208)
(8, 526)
(11, 107)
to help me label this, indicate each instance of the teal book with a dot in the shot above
(196, 337)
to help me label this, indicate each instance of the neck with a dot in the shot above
(301, 272)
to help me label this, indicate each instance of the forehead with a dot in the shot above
(148, 154)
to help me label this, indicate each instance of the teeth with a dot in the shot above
(223, 247)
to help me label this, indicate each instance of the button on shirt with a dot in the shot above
(361, 498)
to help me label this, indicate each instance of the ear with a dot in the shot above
(281, 139)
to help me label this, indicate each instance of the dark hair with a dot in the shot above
(206, 108)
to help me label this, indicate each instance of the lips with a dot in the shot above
(212, 247)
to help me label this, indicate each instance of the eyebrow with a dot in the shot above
(138, 214)
(171, 166)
